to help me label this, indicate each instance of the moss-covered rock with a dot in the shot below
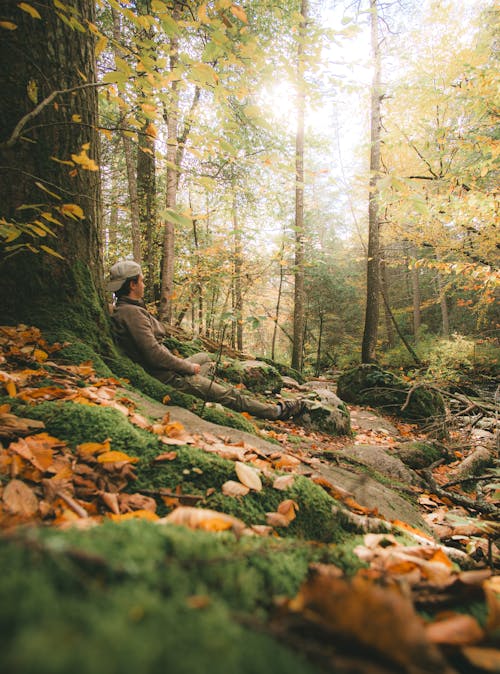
(417, 454)
(138, 597)
(285, 370)
(370, 385)
(257, 376)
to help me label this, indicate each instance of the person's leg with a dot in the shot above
(207, 389)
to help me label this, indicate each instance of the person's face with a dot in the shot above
(137, 288)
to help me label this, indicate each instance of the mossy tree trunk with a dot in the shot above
(41, 56)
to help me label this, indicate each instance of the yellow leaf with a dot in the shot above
(73, 211)
(83, 159)
(62, 161)
(93, 447)
(202, 13)
(29, 9)
(76, 118)
(50, 218)
(40, 356)
(239, 13)
(8, 25)
(32, 89)
(45, 189)
(151, 131)
(136, 514)
(115, 456)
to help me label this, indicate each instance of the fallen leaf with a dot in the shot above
(201, 518)
(283, 482)
(166, 456)
(114, 456)
(135, 514)
(19, 499)
(235, 489)
(456, 630)
(277, 520)
(288, 509)
(484, 659)
(248, 476)
(492, 592)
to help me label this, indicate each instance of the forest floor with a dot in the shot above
(407, 584)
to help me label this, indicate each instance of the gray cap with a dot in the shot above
(120, 272)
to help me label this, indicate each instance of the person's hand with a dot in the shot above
(197, 368)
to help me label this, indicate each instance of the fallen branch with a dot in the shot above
(458, 499)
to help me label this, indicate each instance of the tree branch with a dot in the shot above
(14, 137)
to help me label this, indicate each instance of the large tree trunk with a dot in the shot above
(238, 263)
(44, 56)
(299, 300)
(368, 349)
(146, 195)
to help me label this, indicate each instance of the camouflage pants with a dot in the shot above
(203, 386)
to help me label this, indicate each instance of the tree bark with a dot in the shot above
(238, 260)
(299, 299)
(46, 55)
(369, 344)
(445, 317)
(417, 300)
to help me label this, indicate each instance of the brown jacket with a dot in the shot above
(141, 335)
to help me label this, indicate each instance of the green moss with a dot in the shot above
(370, 385)
(117, 599)
(285, 370)
(257, 378)
(418, 455)
(184, 348)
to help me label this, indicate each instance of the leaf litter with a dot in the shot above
(44, 481)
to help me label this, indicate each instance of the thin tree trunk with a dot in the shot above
(320, 337)
(299, 299)
(445, 317)
(385, 290)
(238, 260)
(278, 304)
(417, 300)
(146, 194)
(368, 349)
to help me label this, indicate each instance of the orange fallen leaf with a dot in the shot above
(288, 508)
(484, 659)
(93, 447)
(114, 456)
(166, 456)
(457, 630)
(202, 518)
(135, 514)
(277, 520)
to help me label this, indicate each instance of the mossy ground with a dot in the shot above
(194, 470)
(136, 596)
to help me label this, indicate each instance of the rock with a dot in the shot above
(370, 385)
(256, 375)
(333, 419)
(368, 421)
(417, 454)
(378, 458)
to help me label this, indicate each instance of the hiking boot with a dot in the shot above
(291, 409)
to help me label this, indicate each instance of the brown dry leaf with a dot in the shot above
(485, 659)
(173, 429)
(130, 502)
(12, 426)
(288, 508)
(198, 601)
(228, 452)
(248, 476)
(201, 518)
(9, 384)
(19, 499)
(166, 456)
(172, 441)
(283, 482)
(492, 592)
(235, 489)
(456, 630)
(139, 420)
(277, 520)
(261, 529)
(110, 501)
(114, 456)
(380, 618)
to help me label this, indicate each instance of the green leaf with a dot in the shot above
(170, 26)
(176, 217)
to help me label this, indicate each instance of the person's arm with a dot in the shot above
(156, 355)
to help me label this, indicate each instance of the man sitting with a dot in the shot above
(141, 336)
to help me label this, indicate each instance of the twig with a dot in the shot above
(183, 498)
(14, 137)
(487, 508)
(81, 512)
(471, 478)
